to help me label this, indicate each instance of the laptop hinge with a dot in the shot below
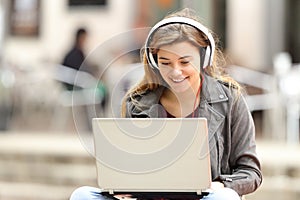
(110, 191)
(199, 192)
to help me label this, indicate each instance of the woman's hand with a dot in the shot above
(215, 185)
(124, 197)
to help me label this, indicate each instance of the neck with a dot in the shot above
(180, 104)
(184, 103)
(184, 98)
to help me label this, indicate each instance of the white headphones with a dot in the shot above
(209, 52)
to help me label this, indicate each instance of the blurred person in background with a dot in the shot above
(80, 77)
(76, 56)
(183, 79)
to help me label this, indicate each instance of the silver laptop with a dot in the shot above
(152, 156)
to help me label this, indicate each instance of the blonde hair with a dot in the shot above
(170, 34)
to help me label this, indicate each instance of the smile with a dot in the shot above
(178, 80)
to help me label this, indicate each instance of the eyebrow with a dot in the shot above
(183, 57)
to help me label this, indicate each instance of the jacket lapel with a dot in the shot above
(214, 119)
(212, 93)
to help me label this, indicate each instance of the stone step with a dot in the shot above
(51, 159)
(279, 159)
(33, 191)
(43, 166)
(47, 172)
(277, 188)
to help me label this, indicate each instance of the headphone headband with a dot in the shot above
(182, 20)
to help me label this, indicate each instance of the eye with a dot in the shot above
(165, 63)
(185, 62)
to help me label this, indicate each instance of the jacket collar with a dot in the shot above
(212, 90)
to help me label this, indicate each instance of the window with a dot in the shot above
(87, 2)
(24, 17)
(219, 20)
(293, 29)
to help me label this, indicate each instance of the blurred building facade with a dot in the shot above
(35, 34)
(262, 27)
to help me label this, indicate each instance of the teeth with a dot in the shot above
(178, 80)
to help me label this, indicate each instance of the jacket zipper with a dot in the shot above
(233, 178)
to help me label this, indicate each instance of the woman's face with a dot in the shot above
(179, 66)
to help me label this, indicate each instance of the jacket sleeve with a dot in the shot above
(246, 175)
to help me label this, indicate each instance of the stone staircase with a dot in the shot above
(43, 166)
(281, 171)
(49, 166)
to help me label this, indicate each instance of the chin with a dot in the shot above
(183, 89)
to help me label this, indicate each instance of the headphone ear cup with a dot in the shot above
(153, 60)
(207, 57)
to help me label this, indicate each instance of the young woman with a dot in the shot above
(182, 79)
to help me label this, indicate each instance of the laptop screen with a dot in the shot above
(152, 155)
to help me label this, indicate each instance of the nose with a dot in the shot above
(176, 71)
(177, 67)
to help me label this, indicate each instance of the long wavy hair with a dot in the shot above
(170, 34)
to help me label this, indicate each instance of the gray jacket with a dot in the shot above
(231, 133)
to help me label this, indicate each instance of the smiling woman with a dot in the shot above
(183, 79)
